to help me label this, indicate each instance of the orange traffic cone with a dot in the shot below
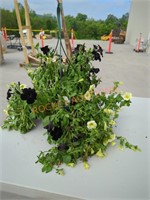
(72, 39)
(109, 44)
(139, 44)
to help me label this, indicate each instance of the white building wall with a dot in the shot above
(139, 21)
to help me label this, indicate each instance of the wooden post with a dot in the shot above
(1, 54)
(21, 31)
(66, 37)
(29, 30)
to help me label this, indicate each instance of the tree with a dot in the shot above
(81, 17)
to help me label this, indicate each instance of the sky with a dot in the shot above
(97, 9)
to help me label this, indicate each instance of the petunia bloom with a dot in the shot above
(71, 164)
(86, 165)
(109, 111)
(9, 93)
(97, 52)
(63, 147)
(127, 96)
(45, 50)
(91, 125)
(67, 101)
(22, 86)
(95, 70)
(112, 122)
(87, 96)
(100, 153)
(29, 95)
(55, 131)
(92, 87)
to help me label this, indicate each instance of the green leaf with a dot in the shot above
(46, 120)
(47, 168)
(67, 159)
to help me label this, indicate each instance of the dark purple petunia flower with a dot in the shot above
(95, 70)
(9, 93)
(97, 52)
(29, 95)
(62, 147)
(55, 132)
(49, 127)
(45, 50)
(79, 47)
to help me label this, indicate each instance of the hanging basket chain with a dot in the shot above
(59, 41)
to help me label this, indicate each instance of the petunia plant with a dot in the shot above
(78, 122)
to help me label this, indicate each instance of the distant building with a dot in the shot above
(139, 22)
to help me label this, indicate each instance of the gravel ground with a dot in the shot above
(133, 69)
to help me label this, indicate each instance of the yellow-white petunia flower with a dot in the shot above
(6, 112)
(87, 96)
(109, 111)
(71, 164)
(22, 86)
(112, 122)
(92, 151)
(13, 84)
(92, 87)
(113, 143)
(30, 71)
(105, 141)
(120, 82)
(61, 172)
(100, 153)
(91, 125)
(81, 80)
(120, 147)
(86, 165)
(127, 96)
(105, 126)
(112, 138)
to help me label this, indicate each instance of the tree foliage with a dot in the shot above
(84, 27)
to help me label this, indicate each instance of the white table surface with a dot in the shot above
(122, 175)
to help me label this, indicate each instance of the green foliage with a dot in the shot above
(19, 114)
(93, 29)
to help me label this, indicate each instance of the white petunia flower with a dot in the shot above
(54, 59)
(67, 101)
